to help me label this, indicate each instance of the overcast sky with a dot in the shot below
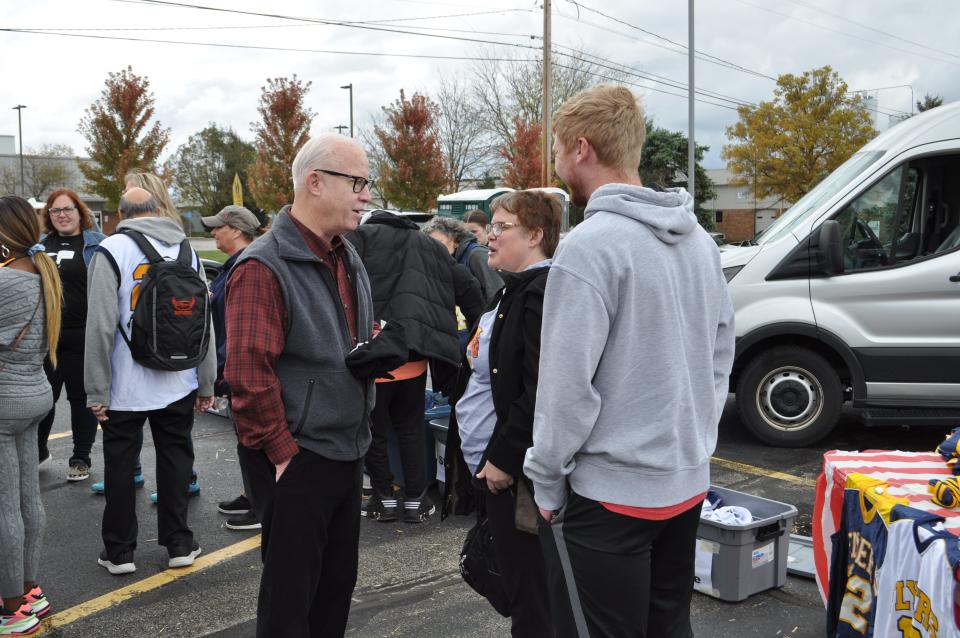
(872, 43)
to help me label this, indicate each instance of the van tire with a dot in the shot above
(789, 397)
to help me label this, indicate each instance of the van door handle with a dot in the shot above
(956, 278)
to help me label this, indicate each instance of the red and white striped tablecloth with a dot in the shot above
(907, 474)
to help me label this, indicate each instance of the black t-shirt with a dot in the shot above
(67, 252)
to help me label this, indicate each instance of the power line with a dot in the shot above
(844, 33)
(341, 23)
(869, 28)
(264, 48)
(706, 57)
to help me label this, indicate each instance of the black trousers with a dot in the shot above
(400, 406)
(122, 436)
(613, 575)
(69, 372)
(310, 543)
(522, 566)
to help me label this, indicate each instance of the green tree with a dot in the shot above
(929, 102)
(784, 147)
(203, 168)
(413, 171)
(283, 129)
(117, 127)
(664, 162)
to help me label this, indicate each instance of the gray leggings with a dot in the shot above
(22, 518)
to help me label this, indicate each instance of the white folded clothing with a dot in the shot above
(728, 515)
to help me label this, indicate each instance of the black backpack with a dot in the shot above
(170, 324)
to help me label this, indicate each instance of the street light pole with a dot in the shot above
(350, 86)
(545, 151)
(691, 142)
(341, 128)
(19, 109)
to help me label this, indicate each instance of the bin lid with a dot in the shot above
(800, 556)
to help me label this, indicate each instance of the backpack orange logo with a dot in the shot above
(183, 308)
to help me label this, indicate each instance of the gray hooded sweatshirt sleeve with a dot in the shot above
(103, 315)
(636, 351)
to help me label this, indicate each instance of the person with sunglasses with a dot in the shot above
(70, 238)
(492, 422)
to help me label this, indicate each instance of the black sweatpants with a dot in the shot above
(69, 372)
(310, 543)
(122, 436)
(521, 564)
(400, 406)
(613, 575)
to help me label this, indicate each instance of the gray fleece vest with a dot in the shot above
(327, 409)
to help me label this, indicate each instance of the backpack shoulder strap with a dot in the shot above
(465, 257)
(145, 246)
(185, 257)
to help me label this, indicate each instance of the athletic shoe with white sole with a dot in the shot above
(78, 471)
(239, 505)
(418, 510)
(39, 605)
(119, 565)
(182, 557)
(18, 623)
(243, 522)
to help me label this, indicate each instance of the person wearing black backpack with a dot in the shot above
(150, 355)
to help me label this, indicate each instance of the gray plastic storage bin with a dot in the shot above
(737, 561)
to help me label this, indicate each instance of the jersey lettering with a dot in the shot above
(857, 603)
(139, 273)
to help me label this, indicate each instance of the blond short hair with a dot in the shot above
(610, 117)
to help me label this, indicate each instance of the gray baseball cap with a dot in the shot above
(234, 216)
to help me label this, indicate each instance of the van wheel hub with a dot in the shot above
(789, 398)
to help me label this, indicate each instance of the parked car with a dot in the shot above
(211, 269)
(853, 294)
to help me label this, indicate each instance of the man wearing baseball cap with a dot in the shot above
(233, 228)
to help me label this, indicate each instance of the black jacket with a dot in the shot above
(416, 283)
(514, 367)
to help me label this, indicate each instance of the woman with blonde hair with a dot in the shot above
(155, 186)
(30, 295)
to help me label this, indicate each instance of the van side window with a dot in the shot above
(911, 213)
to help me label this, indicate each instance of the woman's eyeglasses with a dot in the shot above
(66, 210)
(496, 229)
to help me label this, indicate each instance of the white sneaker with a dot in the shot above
(116, 568)
(185, 560)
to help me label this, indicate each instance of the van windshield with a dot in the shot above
(834, 183)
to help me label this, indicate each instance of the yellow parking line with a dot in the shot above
(98, 604)
(760, 471)
(62, 435)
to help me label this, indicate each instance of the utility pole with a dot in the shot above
(19, 109)
(545, 172)
(350, 86)
(691, 142)
(340, 129)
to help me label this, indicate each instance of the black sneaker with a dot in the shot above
(247, 520)
(239, 505)
(119, 565)
(380, 508)
(182, 557)
(418, 510)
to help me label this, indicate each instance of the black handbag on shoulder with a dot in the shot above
(479, 567)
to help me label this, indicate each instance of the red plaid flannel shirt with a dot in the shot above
(256, 320)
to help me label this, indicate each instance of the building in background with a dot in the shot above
(736, 213)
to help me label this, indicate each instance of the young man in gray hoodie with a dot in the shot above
(632, 383)
(123, 394)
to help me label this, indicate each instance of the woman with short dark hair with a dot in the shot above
(492, 423)
(70, 238)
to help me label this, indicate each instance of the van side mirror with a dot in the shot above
(829, 249)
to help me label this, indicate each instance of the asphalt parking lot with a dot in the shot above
(409, 583)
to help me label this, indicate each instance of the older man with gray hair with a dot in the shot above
(298, 301)
(123, 393)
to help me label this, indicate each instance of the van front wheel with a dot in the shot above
(789, 396)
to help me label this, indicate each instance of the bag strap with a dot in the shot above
(145, 246)
(23, 331)
(465, 257)
(185, 257)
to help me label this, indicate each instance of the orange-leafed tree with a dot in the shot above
(522, 155)
(283, 129)
(118, 129)
(412, 170)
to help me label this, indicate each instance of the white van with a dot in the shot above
(853, 294)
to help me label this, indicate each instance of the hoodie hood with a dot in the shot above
(162, 229)
(668, 213)
(389, 219)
